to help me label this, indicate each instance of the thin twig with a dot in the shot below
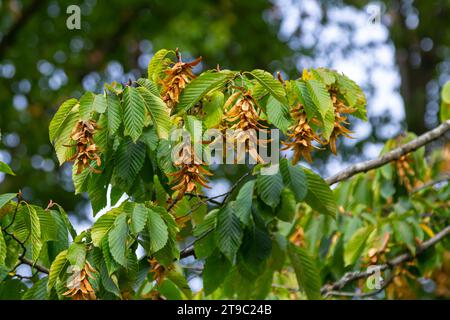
(34, 265)
(361, 295)
(352, 276)
(189, 249)
(442, 178)
(391, 155)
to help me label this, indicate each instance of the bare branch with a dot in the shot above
(352, 276)
(391, 155)
(444, 177)
(34, 265)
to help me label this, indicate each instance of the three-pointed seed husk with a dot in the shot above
(176, 79)
(86, 149)
(79, 285)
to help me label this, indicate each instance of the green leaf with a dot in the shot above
(56, 268)
(404, 234)
(111, 265)
(86, 105)
(114, 113)
(269, 188)
(177, 277)
(295, 178)
(272, 85)
(157, 230)
(214, 272)
(117, 239)
(81, 180)
(63, 139)
(319, 196)
(353, 94)
(322, 100)
(99, 105)
(76, 254)
(229, 232)
(38, 291)
(207, 225)
(47, 225)
(306, 271)
(445, 93)
(157, 64)
(129, 161)
(149, 85)
(6, 169)
(159, 112)
(102, 226)
(109, 282)
(305, 99)
(213, 108)
(288, 206)
(278, 114)
(36, 241)
(324, 75)
(3, 248)
(134, 113)
(65, 218)
(60, 117)
(445, 104)
(139, 216)
(199, 87)
(97, 191)
(354, 247)
(6, 197)
(244, 202)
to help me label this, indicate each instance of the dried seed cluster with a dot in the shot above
(404, 171)
(158, 270)
(79, 286)
(83, 134)
(177, 77)
(242, 117)
(301, 136)
(190, 173)
(340, 120)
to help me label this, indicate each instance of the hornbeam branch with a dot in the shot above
(330, 289)
(444, 177)
(34, 265)
(392, 155)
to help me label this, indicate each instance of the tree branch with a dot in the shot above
(34, 265)
(444, 177)
(352, 276)
(391, 155)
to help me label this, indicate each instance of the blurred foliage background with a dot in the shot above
(397, 50)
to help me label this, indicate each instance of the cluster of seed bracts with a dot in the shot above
(190, 172)
(405, 171)
(79, 286)
(176, 79)
(339, 120)
(87, 151)
(242, 117)
(301, 136)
